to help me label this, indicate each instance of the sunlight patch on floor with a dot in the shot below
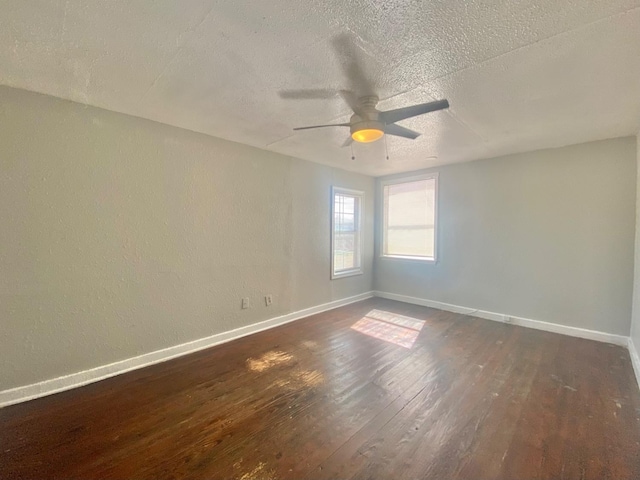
(268, 360)
(260, 472)
(390, 327)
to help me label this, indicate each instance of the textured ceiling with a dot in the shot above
(519, 75)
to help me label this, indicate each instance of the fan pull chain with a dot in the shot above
(353, 157)
(386, 149)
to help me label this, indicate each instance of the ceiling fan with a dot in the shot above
(368, 124)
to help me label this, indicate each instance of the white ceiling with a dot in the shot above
(519, 75)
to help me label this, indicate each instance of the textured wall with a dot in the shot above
(546, 235)
(120, 236)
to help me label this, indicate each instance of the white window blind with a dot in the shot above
(409, 219)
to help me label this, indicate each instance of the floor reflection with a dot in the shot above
(390, 327)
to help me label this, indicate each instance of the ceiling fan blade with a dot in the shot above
(308, 94)
(322, 126)
(393, 116)
(398, 131)
(347, 142)
(351, 99)
(350, 56)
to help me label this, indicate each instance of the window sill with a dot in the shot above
(346, 273)
(410, 258)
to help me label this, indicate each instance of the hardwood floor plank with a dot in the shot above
(316, 399)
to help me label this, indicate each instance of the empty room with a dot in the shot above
(278, 240)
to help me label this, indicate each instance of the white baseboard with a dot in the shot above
(635, 360)
(513, 320)
(67, 382)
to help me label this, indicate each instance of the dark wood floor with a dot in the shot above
(473, 399)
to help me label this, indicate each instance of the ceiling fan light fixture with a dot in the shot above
(367, 135)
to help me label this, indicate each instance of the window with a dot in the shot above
(409, 218)
(346, 232)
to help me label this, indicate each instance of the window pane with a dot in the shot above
(346, 232)
(409, 210)
(344, 249)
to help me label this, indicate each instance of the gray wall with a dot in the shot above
(546, 235)
(120, 236)
(635, 321)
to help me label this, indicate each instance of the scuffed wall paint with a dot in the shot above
(120, 236)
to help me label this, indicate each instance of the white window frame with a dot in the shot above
(359, 214)
(383, 217)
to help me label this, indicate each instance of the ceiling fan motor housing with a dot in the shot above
(366, 125)
(366, 121)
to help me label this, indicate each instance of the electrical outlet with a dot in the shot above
(268, 299)
(245, 303)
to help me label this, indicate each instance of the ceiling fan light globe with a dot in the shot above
(367, 135)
